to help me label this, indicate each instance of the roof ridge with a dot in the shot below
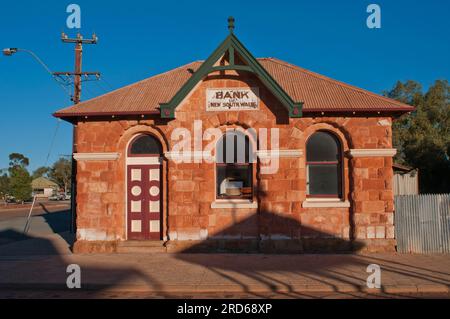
(328, 79)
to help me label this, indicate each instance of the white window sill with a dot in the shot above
(234, 203)
(325, 202)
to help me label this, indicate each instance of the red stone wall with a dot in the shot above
(189, 188)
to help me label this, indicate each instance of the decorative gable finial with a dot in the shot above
(233, 47)
(231, 24)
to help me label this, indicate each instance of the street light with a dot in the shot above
(11, 51)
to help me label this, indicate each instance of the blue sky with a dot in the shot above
(138, 39)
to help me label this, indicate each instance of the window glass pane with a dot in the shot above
(146, 144)
(324, 180)
(234, 147)
(322, 146)
(234, 180)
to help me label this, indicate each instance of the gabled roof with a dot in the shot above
(296, 89)
(231, 54)
(318, 93)
(42, 182)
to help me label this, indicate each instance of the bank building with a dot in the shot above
(235, 154)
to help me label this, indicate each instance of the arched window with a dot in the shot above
(145, 145)
(234, 166)
(323, 165)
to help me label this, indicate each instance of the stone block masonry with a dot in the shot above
(279, 221)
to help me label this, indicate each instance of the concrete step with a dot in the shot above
(141, 247)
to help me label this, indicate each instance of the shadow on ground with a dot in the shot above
(249, 275)
(95, 279)
(284, 274)
(57, 222)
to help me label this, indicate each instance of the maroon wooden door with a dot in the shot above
(144, 202)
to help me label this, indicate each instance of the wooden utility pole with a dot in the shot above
(77, 75)
(76, 98)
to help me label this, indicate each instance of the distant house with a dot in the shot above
(406, 180)
(42, 187)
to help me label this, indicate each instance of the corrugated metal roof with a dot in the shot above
(319, 93)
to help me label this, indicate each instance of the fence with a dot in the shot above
(422, 223)
(406, 184)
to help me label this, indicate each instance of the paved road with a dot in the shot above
(10, 211)
(49, 221)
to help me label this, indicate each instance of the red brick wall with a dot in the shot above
(189, 188)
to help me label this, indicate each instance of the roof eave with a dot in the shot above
(67, 116)
(360, 110)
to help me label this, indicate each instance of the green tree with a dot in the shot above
(4, 185)
(61, 173)
(20, 183)
(17, 159)
(41, 172)
(423, 137)
(19, 178)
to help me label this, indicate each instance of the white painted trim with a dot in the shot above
(372, 152)
(150, 160)
(205, 155)
(325, 202)
(279, 153)
(325, 199)
(96, 156)
(234, 203)
(190, 156)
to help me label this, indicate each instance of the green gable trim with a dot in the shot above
(232, 45)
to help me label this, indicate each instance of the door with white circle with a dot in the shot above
(144, 204)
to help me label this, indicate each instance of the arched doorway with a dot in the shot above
(144, 189)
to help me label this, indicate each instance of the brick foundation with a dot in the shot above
(88, 247)
(286, 246)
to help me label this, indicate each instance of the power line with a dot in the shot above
(53, 141)
(11, 51)
(91, 93)
(102, 79)
(102, 87)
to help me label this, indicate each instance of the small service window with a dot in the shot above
(234, 166)
(323, 166)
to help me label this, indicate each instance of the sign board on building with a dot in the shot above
(235, 99)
